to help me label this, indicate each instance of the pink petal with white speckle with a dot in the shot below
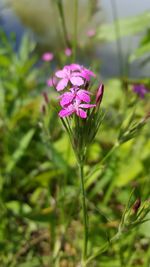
(62, 84)
(86, 74)
(74, 67)
(77, 81)
(66, 98)
(60, 73)
(67, 112)
(81, 113)
(84, 96)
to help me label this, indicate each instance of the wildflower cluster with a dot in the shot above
(73, 83)
(73, 79)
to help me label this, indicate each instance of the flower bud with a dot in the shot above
(45, 95)
(43, 109)
(136, 205)
(99, 95)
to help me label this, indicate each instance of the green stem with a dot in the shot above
(84, 209)
(118, 41)
(110, 152)
(97, 167)
(104, 247)
(75, 38)
(62, 21)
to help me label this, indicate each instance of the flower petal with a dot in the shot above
(62, 84)
(84, 96)
(66, 98)
(60, 73)
(66, 112)
(76, 81)
(74, 67)
(81, 113)
(86, 74)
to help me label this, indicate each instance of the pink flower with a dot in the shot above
(67, 75)
(47, 56)
(140, 90)
(73, 73)
(77, 108)
(68, 52)
(75, 94)
(91, 32)
(75, 99)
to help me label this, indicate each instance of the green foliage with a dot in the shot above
(40, 210)
(127, 26)
(143, 49)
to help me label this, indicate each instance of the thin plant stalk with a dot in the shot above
(118, 41)
(104, 247)
(111, 151)
(75, 37)
(85, 221)
(62, 22)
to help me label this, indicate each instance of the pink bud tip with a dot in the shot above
(45, 95)
(43, 109)
(99, 94)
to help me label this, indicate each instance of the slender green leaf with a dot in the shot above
(20, 150)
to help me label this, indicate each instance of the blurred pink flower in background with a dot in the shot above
(68, 52)
(140, 90)
(91, 32)
(48, 56)
(52, 82)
